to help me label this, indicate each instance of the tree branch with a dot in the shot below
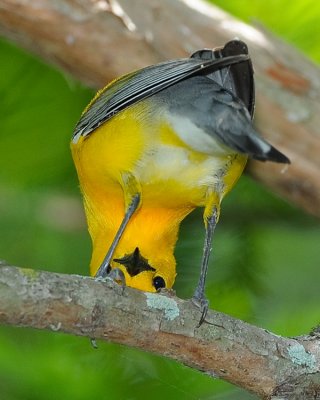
(98, 40)
(224, 347)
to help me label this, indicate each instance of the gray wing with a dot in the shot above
(143, 83)
(218, 113)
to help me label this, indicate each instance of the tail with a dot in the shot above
(238, 133)
(259, 149)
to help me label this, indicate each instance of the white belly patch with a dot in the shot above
(176, 163)
(195, 137)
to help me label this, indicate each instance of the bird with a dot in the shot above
(157, 143)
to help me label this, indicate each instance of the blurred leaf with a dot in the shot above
(39, 108)
(296, 21)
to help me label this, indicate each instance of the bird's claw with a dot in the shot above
(203, 305)
(116, 275)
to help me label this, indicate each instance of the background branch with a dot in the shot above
(98, 40)
(250, 357)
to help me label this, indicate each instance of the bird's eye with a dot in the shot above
(109, 269)
(159, 283)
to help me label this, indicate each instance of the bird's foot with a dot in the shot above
(115, 274)
(203, 305)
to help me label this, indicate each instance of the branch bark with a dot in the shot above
(253, 358)
(98, 40)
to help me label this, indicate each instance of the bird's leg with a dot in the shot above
(132, 194)
(102, 271)
(211, 216)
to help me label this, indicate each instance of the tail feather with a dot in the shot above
(272, 155)
(259, 149)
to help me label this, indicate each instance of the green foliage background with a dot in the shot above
(266, 253)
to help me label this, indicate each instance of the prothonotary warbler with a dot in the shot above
(155, 144)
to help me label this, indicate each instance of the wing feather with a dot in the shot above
(143, 83)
